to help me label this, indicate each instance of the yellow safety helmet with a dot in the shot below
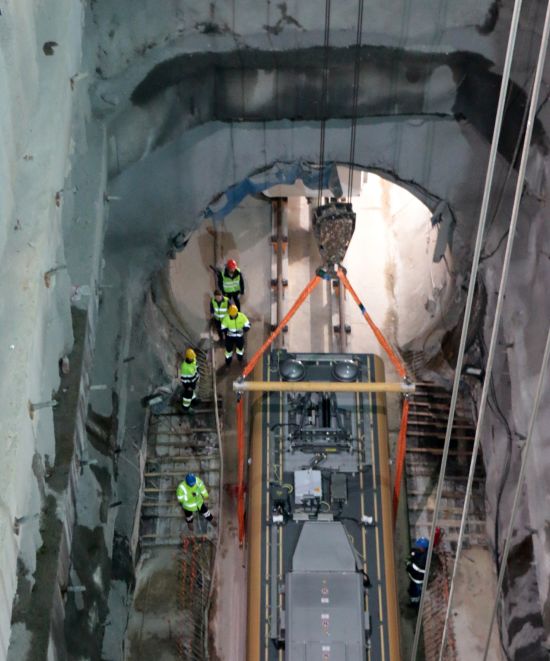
(190, 354)
(233, 310)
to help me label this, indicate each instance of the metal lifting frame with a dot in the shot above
(239, 385)
(494, 338)
(469, 300)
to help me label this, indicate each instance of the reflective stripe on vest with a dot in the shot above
(231, 285)
(220, 309)
(192, 498)
(234, 327)
(188, 371)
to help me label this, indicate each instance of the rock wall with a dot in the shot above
(38, 56)
(159, 98)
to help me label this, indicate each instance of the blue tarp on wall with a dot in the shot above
(279, 173)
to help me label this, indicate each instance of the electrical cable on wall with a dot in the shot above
(323, 106)
(526, 448)
(497, 316)
(356, 78)
(469, 301)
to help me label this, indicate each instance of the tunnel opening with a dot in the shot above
(400, 254)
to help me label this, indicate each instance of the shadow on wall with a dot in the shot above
(409, 83)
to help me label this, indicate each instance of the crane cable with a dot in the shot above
(496, 324)
(324, 92)
(469, 301)
(521, 477)
(356, 76)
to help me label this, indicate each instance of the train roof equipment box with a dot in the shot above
(307, 485)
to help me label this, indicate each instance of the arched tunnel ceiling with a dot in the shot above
(252, 85)
(426, 107)
(167, 191)
(267, 86)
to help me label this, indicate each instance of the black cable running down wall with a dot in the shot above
(356, 80)
(323, 105)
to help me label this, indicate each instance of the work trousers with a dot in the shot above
(203, 510)
(188, 395)
(415, 592)
(217, 325)
(233, 297)
(238, 343)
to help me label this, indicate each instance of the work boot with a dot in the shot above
(240, 358)
(228, 361)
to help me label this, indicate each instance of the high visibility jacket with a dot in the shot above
(416, 566)
(189, 374)
(235, 327)
(219, 309)
(231, 284)
(192, 498)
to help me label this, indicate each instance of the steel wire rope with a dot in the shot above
(527, 446)
(498, 314)
(469, 302)
(521, 477)
(498, 413)
(356, 77)
(324, 93)
(528, 83)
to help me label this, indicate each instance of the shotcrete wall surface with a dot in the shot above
(178, 106)
(35, 320)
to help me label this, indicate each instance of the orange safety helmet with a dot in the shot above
(190, 354)
(233, 310)
(231, 264)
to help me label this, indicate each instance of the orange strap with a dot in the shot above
(240, 466)
(301, 298)
(400, 457)
(381, 339)
(240, 413)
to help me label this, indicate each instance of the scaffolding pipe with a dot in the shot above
(469, 299)
(498, 315)
(321, 386)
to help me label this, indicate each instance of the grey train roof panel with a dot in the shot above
(323, 546)
(325, 607)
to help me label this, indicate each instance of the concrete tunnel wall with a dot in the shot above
(180, 194)
(165, 192)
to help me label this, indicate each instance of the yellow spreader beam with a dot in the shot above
(321, 386)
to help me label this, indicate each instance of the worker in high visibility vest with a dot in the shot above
(191, 494)
(219, 305)
(189, 377)
(231, 282)
(234, 325)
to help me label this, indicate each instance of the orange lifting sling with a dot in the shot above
(401, 445)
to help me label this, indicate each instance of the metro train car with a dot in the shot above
(321, 575)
